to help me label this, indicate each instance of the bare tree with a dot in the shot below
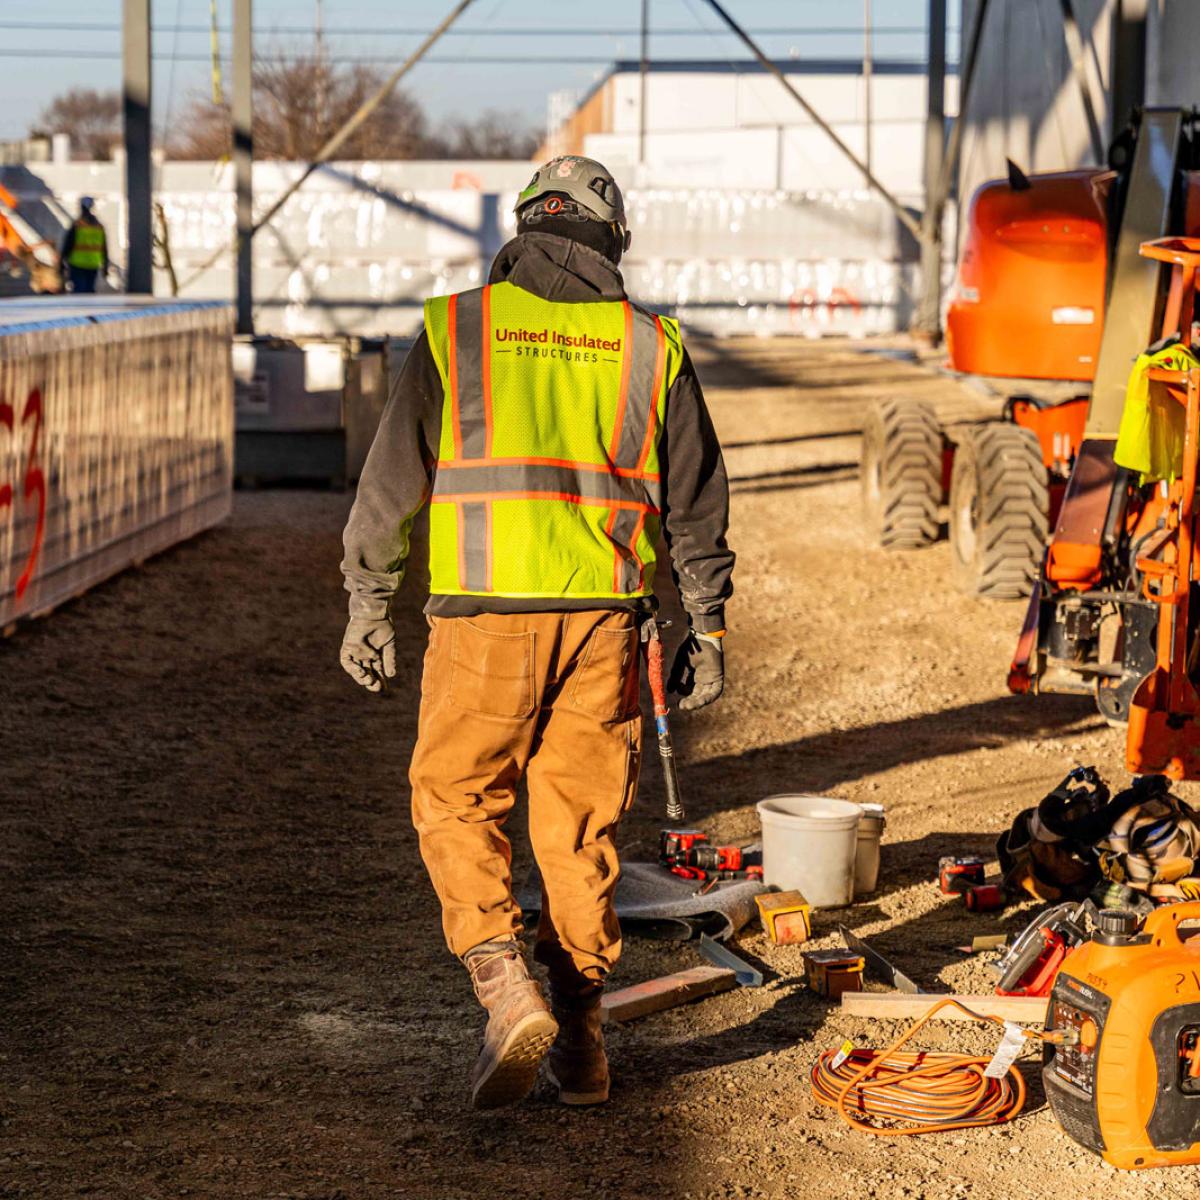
(493, 135)
(300, 101)
(91, 119)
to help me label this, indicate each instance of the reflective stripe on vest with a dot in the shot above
(547, 479)
(87, 251)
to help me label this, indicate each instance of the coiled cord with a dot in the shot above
(932, 1093)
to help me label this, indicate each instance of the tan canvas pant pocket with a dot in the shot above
(491, 673)
(606, 681)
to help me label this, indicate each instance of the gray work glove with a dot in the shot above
(369, 652)
(698, 672)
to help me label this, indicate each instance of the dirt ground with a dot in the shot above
(221, 973)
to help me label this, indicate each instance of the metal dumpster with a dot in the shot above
(307, 409)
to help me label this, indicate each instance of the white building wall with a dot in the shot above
(359, 248)
(713, 129)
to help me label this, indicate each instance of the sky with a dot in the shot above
(48, 47)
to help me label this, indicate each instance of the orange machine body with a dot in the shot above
(1028, 301)
(1059, 428)
(1131, 551)
(1128, 1083)
(11, 242)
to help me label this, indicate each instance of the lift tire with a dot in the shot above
(901, 474)
(999, 511)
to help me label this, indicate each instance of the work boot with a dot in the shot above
(577, 1064)
(519, 1029)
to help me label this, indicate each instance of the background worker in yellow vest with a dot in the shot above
(554, 428)
(84, 253)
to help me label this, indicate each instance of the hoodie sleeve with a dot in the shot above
(394, 485)
(696, 504)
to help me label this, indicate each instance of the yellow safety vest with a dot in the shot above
(547, 483)
(87, 251)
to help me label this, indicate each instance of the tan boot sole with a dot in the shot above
(514, 1070)
(576, 1098)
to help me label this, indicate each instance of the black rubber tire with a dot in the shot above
(900, 471)
(999, 510)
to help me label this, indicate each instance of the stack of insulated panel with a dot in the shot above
(116, 438)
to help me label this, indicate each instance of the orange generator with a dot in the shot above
(1039, 266)
(1124, 1080)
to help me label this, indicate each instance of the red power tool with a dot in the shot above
(958, 874)
(689, 854)
(1028, 967)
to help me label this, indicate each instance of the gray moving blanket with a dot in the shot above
(654, 903)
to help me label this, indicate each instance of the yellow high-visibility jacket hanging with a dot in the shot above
(1150, 440)
(547, 481)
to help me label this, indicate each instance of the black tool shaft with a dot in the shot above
(662, 726)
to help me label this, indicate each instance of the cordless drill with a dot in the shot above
(689, 854)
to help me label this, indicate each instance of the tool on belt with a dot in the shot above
(689, 854)
(1029, 965)
(652, 648)
(1123, 1078)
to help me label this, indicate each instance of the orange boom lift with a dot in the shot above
(1043, 257)
(22, 253)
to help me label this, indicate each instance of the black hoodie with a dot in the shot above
(398, 474)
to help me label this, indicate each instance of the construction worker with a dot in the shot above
(84, 252)
(553, 427)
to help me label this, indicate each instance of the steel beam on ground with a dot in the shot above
(139, 219)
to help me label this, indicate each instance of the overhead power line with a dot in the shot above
(376, 31)
(383, 59)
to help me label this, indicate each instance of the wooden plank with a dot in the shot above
(1029, 1010)
(665, 992)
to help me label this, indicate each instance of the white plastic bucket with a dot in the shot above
(809, 844)
(866, 857)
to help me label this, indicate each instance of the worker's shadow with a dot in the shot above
(827, 760)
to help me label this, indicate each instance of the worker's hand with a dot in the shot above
(369, 652)
(698, 673)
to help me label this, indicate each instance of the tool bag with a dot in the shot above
(1048, 852)
(1078, 840)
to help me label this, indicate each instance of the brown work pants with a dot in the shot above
(553, 698)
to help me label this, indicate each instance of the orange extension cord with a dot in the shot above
(933, 1092)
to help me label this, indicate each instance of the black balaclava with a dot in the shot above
(572, 224)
